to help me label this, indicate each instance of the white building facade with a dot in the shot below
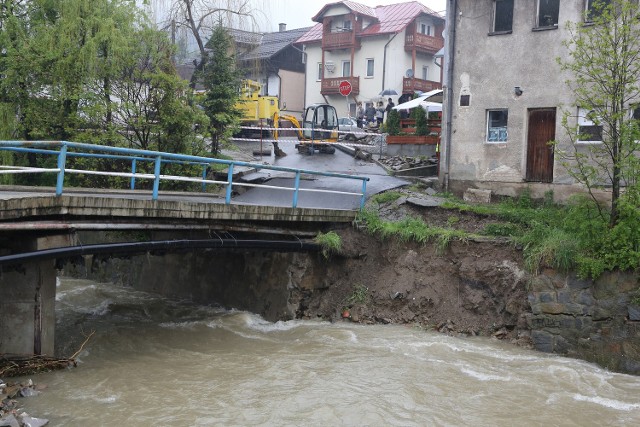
(386, 48)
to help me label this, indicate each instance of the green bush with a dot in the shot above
(393, 123)
(422, 125)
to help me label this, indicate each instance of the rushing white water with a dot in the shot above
(153, 362)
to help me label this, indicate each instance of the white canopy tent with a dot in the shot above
(426, 101)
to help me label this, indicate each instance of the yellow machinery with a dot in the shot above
(318, 131)
(257, 111)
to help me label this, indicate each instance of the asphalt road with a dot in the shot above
(313, 187)
(339, 162)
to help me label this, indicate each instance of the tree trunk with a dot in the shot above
(214, 141)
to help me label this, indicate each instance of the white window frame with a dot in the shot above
(344, 64)
(425, 72)
(490, 135)
(373, 68)
(540, 25)
(320, 72)
(425, 29)
(583, 120)
(346, 25)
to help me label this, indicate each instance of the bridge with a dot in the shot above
(142, 190)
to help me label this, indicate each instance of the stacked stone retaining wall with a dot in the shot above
(592, 320)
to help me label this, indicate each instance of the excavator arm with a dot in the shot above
(321, 139)
(294, 121)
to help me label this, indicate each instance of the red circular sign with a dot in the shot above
(345, 88)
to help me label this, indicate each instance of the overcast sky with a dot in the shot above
(298, 13)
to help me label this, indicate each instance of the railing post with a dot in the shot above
(62, 160)
(133, 172)
(156, 180)
(296, 189)
(227, 199)
(204, 177)
(364, 193)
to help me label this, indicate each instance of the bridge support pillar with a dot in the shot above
(27, 302)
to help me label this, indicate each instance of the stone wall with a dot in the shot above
(480, 283)
(262, 282)
(590, 320)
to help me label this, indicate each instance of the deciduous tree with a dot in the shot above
(604, 62)
(200, 17)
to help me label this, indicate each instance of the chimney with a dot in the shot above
(283, 27)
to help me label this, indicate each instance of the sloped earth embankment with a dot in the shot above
(472, 287)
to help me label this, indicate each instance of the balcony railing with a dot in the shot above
(332, 86)
(342, 40)
(410, 84)
(423, 43)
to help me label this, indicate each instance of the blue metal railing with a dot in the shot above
(62, 150)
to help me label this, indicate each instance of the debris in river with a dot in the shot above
(10, 415)
(15, 366)
(22, 365)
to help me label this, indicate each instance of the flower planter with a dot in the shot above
(412, 139)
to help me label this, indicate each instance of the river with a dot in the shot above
(154, 362)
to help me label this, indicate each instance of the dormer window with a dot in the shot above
(425, 29)
(346, 26)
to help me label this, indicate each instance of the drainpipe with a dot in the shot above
(384, 60)
(450, 54)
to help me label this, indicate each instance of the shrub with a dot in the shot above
(393, 123)
(420, 116)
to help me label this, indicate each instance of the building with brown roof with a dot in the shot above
(383, 49)
(274, 62)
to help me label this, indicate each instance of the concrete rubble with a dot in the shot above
(10, 413)
(400, 163)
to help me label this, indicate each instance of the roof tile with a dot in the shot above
(273, 43)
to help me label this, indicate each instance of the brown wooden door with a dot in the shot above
(542, 129)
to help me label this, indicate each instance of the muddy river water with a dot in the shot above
(154, 362)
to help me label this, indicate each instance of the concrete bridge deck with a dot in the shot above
(26, 205)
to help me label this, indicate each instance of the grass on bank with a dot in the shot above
(567, 237)
(411, 230)
(329, 242)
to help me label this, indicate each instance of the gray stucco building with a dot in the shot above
(507, 94)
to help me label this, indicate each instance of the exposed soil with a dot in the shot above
(477, 287)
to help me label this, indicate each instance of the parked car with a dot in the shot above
(348, 124)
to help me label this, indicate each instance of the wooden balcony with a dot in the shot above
(332, 86)
(411, 84)
(341, 40)
(423, 43)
